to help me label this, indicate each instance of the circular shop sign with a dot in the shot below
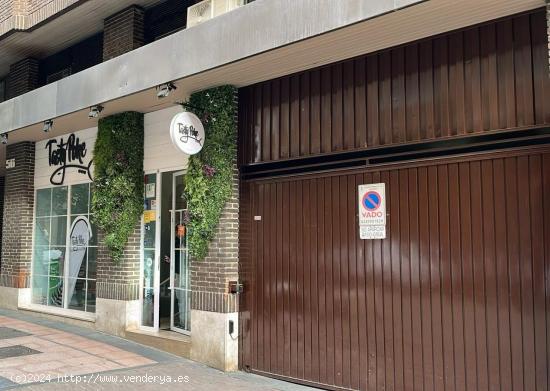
(187, 133)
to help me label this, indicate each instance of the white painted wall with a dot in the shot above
(43, 171)
(160, 153)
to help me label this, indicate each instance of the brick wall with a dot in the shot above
(1, 214)
(23, 77)
(25, 14)
(119, 282)
(123, 32)
(210, 277)
(18, 213)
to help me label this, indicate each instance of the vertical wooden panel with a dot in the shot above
(456, 288)
(510, 166)
(425, 283)
(287, 300)
(412, 90)
(336, 293)
(331, 306)
(426, 91)
(337, 112)
(346, 259)
(315, 112)
(384, 98)
(322, 273)
(257, 120)
(373, 112)
(266, 122)
(417, 337)
(326, 110)
(524, 78)
(526, 274)
(503, 295)
(472, 81)
(305, 130)
(456, 84)
(469, 222)
(446, 277)
(437, 301)
(396, 282)
(405, 261)
(348, 95)
(478, 374)
(506, 85)
(491, 276)
(398, 104)
(489, 92)
(281, 278)
(538, 231)
(275, 118)
(293, 280)
(360, 108)
(299, 292)
(386, 379)
(294, 131)
(441, 86)
(306, 272)
(284, 141)
(315, 287)
(541, 79)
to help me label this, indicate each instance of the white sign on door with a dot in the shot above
(372, 211)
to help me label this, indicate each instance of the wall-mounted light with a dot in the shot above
(4, 138)
(164, 90)
(94, 111)
(48, 125)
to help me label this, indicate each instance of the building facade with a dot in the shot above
(442, 115)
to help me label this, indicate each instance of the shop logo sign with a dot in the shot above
(187, 133)
(64, 155)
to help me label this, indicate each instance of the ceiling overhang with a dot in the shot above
(264, 40)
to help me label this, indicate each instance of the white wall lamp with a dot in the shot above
(164, 90)
(4, 138)
(95, 111)
(48, 125)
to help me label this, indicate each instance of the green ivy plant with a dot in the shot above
(117, 199)
(209, 177)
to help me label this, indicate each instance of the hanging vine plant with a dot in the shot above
(209, 178)
(117, 199)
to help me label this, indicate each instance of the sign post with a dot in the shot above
(372, 211)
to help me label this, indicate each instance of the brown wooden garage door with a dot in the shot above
(455, 298)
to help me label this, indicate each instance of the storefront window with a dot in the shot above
(65, 249)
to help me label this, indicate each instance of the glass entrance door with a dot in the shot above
(150, 268)
(179, 269)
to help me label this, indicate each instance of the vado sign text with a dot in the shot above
(372, 211)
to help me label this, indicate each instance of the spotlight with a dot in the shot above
(4, 138)
(47, 125)
(164, 90)
(94, 111)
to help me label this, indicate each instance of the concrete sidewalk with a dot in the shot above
(40, 354)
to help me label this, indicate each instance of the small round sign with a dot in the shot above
(187, 133)
(372, 200)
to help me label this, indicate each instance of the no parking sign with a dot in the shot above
(372, 211)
